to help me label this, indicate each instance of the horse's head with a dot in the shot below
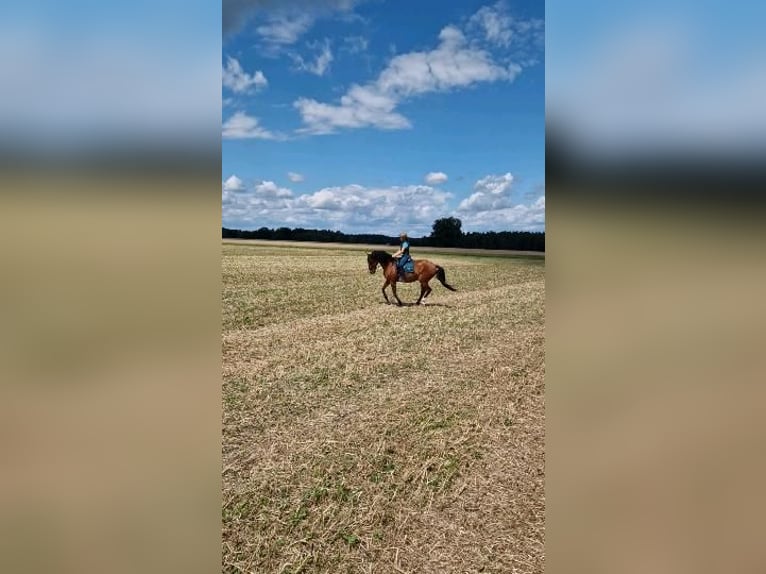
(372, 263)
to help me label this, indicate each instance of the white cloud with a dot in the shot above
(495, 184)
(357, 208)
(499, 28)
(285, 28)
(262, 194)
(249, 206)
(322, 61)
(455, 63)
(360, 107)
(295, 177)
(494, 22)
(233, 184)
(490, 192)
(412, 203)
(242, 126)
(436, 178)
(269, 189)
(490, 207)
(518, 217)
(239, 81)
(351, 208)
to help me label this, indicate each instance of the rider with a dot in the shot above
(403, 259)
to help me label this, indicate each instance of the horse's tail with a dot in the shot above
(443, 279)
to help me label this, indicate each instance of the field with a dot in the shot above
(365, 437)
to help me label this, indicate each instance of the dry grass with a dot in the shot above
(362, 437)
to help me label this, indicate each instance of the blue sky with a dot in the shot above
(377, 116)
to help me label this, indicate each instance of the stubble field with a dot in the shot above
(363, 437)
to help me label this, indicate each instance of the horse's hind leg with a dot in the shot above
(423, 290)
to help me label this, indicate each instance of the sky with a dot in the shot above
(381, 116)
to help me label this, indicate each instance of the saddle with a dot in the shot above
(407, 266)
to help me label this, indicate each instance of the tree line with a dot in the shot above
(445, 232)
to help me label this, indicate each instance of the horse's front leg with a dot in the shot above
(393, 290)
(384, 291)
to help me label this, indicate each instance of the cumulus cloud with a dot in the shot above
(387, 210)
(249, 205)
(490, 206)
(436, 178)
(238, 81)
(456, 62)
(233, 184)
(494, 23)
(295, 177)
(490, 192)
(453, 64)
(520, 217)
(321, 62)
(405, 204)
(269, 189)
(360, 107)
(242, 126)
(351, 207)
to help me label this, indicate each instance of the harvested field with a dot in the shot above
(363, 437)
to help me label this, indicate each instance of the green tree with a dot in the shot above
(447, 232)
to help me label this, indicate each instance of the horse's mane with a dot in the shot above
(381, 256)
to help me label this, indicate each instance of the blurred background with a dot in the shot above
(110, 332)
(655, 318)
(110, 325)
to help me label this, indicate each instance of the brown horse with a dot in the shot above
(424, 272)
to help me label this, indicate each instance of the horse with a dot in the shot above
(425, 270)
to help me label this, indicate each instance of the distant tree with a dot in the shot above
(283, 233)
(447, 232)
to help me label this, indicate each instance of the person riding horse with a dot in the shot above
(401, 267)
(404, 262)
